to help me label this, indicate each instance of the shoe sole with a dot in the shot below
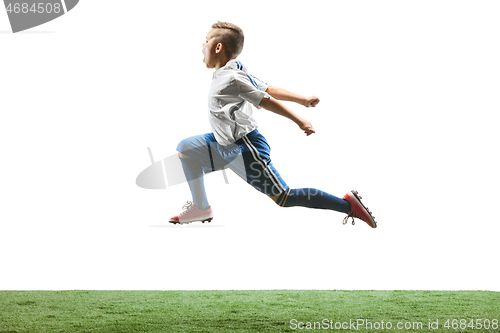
(187, 222)
(359, 200)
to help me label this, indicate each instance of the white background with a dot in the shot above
(408, 116)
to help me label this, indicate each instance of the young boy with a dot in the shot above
(237, 144)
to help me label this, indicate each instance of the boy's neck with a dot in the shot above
(221, 63)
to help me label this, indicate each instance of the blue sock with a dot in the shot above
(194, 176)
(313, 198)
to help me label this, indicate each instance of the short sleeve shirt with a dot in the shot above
(233, 94)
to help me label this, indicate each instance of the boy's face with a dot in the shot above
(210, 49)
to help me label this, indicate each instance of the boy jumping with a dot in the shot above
(236, 143)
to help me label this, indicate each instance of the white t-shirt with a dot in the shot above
(232, 94)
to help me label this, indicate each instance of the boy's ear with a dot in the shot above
(219, 47)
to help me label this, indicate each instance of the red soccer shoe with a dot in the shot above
(191, 214)
(358, 210)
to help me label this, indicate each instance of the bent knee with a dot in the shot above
(184, 146)
(191, 144)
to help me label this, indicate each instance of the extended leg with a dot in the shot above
(312, 198)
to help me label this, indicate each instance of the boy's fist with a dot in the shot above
(311, 101)
(306, 126)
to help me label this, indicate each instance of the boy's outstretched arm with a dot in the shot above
(285, 95)
(271, 104)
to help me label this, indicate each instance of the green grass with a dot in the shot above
(238, 311)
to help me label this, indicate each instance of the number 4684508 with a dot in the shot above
(36, 8)
(472, 324)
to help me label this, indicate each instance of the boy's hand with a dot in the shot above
(273, 105)
(306, 126)
(311, 101)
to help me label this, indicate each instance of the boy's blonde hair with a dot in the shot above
(231, 36)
